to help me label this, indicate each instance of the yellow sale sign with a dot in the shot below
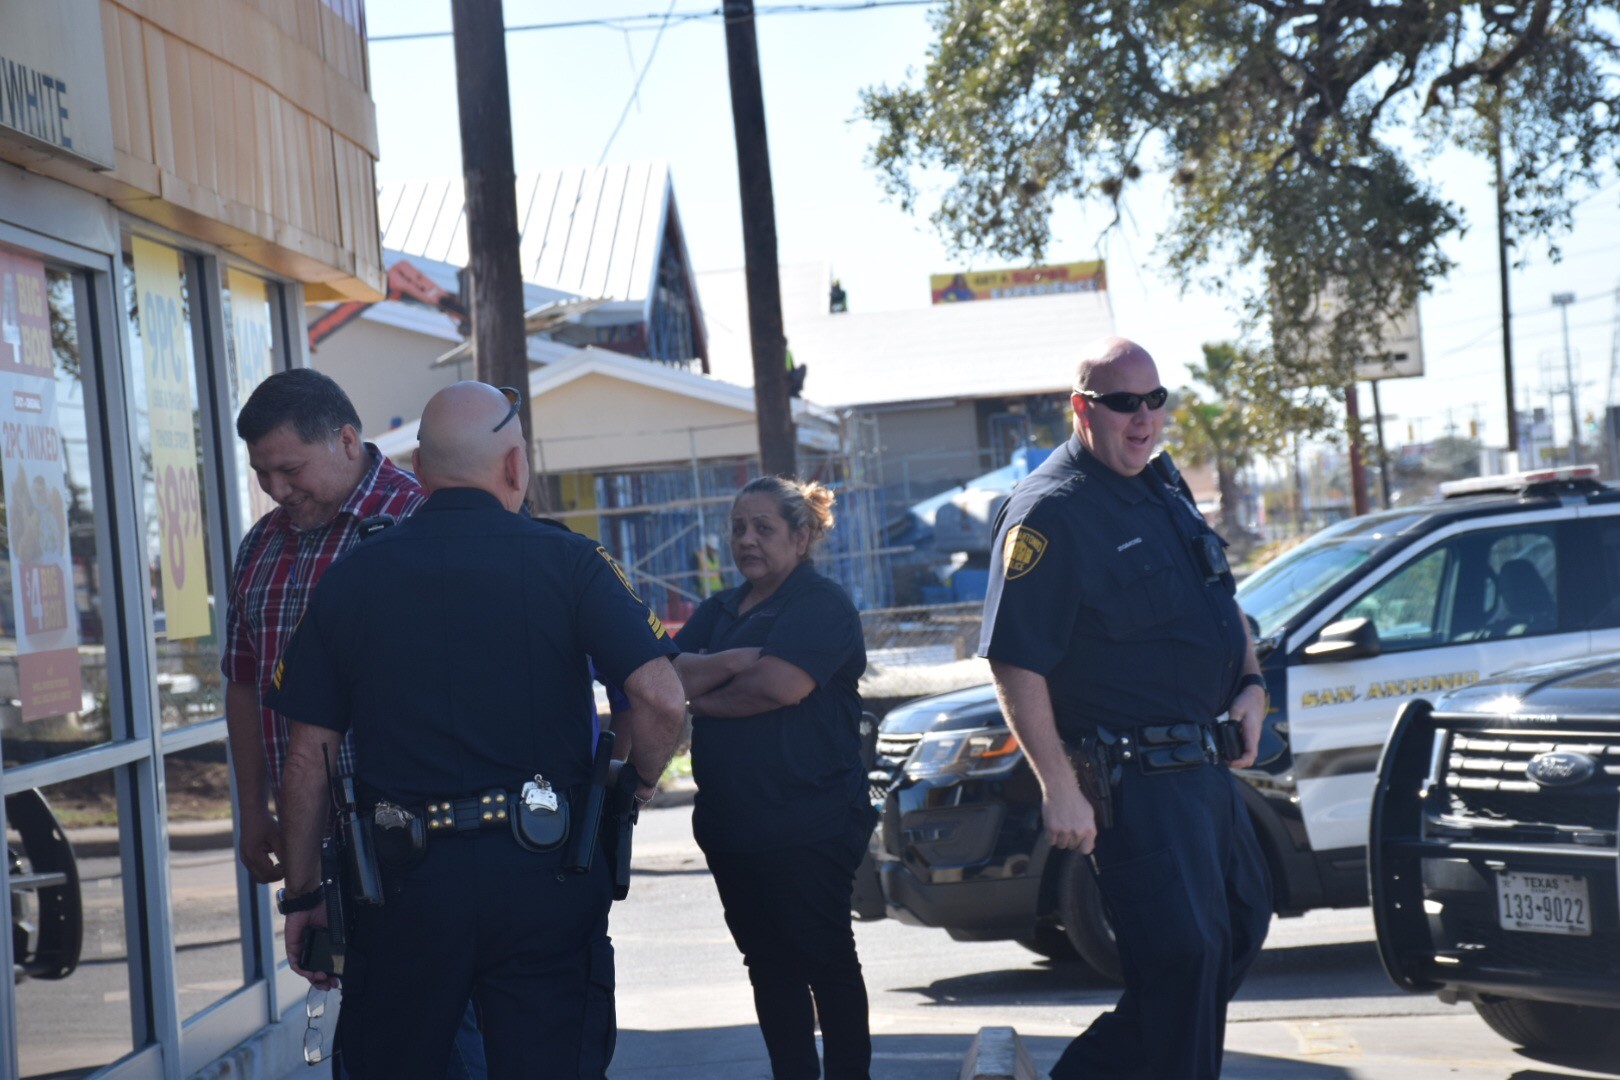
(250, 341)
(174, 445)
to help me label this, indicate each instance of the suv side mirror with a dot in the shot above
(1347, 639)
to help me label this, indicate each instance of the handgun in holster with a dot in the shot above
(1097, 769)
(622, 809)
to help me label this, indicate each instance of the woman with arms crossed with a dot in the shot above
(782, 811)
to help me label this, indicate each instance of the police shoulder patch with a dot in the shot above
(1023, 548)
(624, 579)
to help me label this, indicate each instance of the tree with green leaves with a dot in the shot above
(1293, 133)
(1233, 414)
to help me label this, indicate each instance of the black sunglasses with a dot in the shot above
(515, 400)
(1121, 401)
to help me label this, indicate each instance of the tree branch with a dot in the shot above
(1535, 32)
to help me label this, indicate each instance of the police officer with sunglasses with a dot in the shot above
(1111, 628)
(454, 646)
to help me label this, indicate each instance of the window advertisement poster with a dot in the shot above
(174, 441)
(251, 346)
(35, 486)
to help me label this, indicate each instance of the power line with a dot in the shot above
(656, 21)
(635, 90)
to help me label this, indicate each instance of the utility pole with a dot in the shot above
(1383, 451)
(1358, 469)
(772, 407)
(1502, 275)
(500, 348)
(1563, 300)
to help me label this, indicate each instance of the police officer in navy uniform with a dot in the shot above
(455, 647)
(1110, 608)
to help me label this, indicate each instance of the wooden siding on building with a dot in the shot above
(247, 124)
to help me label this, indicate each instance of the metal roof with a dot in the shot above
(589, 231)
(990, 348)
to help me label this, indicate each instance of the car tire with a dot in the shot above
(1050, 941)
(1546, 1025)
(1085, 918)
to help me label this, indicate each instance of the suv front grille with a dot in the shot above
(1485, 780)
(1597, 955)
(893, 748)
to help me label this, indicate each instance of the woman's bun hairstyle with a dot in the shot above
(802, 505)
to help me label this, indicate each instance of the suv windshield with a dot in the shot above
(1275, 592)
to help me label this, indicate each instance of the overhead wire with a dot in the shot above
(655, 21)
(635, 91)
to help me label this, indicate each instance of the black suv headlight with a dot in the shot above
(986, 751)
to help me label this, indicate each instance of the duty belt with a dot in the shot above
(486, 810)
(1155, 748)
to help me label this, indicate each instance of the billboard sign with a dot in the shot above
(1079, 277)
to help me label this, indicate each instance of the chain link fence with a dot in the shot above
(913, 652)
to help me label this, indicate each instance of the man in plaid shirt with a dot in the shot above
(303, 440)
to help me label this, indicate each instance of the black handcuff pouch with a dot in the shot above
(540, 829)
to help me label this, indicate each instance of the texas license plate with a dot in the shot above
(1544, 903)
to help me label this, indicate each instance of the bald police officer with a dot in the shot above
(1110, 611)
(454, 646)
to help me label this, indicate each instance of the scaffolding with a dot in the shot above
(654, 520)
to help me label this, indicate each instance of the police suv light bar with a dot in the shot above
(1517, 481)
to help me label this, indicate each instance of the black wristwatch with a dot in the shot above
(303, 902)
(1253, 678)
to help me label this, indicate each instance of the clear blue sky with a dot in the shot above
(569, 88)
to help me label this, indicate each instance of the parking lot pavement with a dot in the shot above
(1317, 1006)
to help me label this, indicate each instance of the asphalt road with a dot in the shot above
(1317, 1005)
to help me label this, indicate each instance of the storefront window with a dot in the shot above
(68, 912)
(202, 877)
(53, 660)
(252, 340)
(170, 481)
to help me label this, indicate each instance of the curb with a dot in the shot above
(101, 841)
(997, 1053)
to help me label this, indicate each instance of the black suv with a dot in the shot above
(1492, 854)
(1350, 625)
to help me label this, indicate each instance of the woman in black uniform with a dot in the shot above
(782, 811)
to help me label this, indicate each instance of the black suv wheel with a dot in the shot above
(1084, 917)
(1544, 1025)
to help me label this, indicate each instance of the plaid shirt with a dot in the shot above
(276, 569)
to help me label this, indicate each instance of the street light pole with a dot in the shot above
(1563, 300)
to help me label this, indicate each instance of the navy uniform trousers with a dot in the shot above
(1190, 900)
(481, 918)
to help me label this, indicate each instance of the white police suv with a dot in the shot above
(1361, 618)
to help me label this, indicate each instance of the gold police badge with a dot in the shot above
(1023, 549)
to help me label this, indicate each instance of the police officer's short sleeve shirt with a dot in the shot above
(458, 646)
(1096, 585)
